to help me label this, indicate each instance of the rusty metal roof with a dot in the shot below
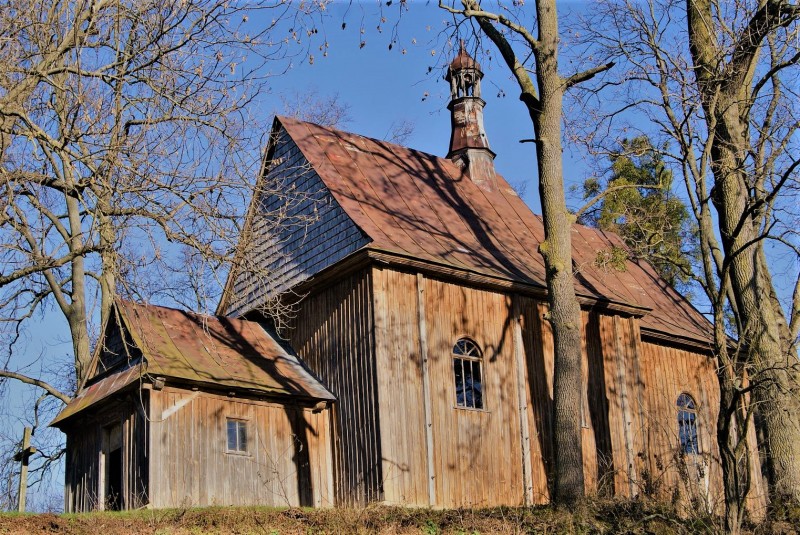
(463, 60)
(212, 350)
(97, 392)
(218, 351)
(422, 206)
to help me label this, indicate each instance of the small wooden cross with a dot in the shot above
(23, 456)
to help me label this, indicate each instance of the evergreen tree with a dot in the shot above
(638, 204)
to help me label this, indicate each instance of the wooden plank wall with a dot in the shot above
(614, 437)
(630, 439)
(135, 456)
(333, 333)
(538, 343)
(476, 455)
(619, 350)
(669, 372)
(400, 388)
(85, 440)
(287, 463)
(81, 471)
(629, 427)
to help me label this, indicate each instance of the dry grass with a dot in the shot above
(595, 517)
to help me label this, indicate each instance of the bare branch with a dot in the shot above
(587, 74)
(47, 387)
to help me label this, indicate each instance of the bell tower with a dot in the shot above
(469, 146)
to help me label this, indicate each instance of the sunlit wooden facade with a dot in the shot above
(432, 258)
(382, 337)
(184, 410)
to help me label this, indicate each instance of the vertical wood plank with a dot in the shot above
(627, 421)
(426, 388)
(522, 400)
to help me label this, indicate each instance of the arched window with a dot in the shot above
(687, 424)
(467, 358)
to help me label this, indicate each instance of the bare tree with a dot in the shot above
(725, 59)
(718, 83)
(542, 94)
(125, 127)
(311, 107)
(127, 153)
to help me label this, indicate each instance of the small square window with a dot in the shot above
(237, 436)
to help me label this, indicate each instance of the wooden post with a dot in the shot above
(627, 421)
(426, 388)
(23, 457)
(522, 403)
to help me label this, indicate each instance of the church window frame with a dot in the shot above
(468, 375)
(688, 434)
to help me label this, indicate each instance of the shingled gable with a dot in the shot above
(382, 197)
(207, 351)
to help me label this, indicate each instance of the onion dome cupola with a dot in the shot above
(469, 146)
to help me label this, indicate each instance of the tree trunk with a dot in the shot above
(544, 104)
(76, 315)
(736, 484)
(557, 252)
(772, 371)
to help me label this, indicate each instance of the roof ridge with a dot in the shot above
(340, 131)
(146, 304)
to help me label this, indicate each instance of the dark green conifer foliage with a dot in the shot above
(639, 206)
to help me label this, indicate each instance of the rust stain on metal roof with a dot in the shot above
(217, 351)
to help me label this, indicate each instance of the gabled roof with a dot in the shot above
(215, 351)
(416, 205)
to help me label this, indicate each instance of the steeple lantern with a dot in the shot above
(469, 146)
(464, 75)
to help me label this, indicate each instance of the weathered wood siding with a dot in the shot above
(473, 457)
(610, 404)
(333, 334)
(400, 388)
(287, 462)
(629, 416)
(669, 372)
(466, 445)
(84, 474)
(613, 346)
(477, 453)
(382, 340)
(297, 229)
(538, 347)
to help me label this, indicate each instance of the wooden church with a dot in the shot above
(417, 365)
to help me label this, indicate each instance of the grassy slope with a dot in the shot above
(606, 517)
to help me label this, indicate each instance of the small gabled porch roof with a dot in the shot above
(210, 352)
